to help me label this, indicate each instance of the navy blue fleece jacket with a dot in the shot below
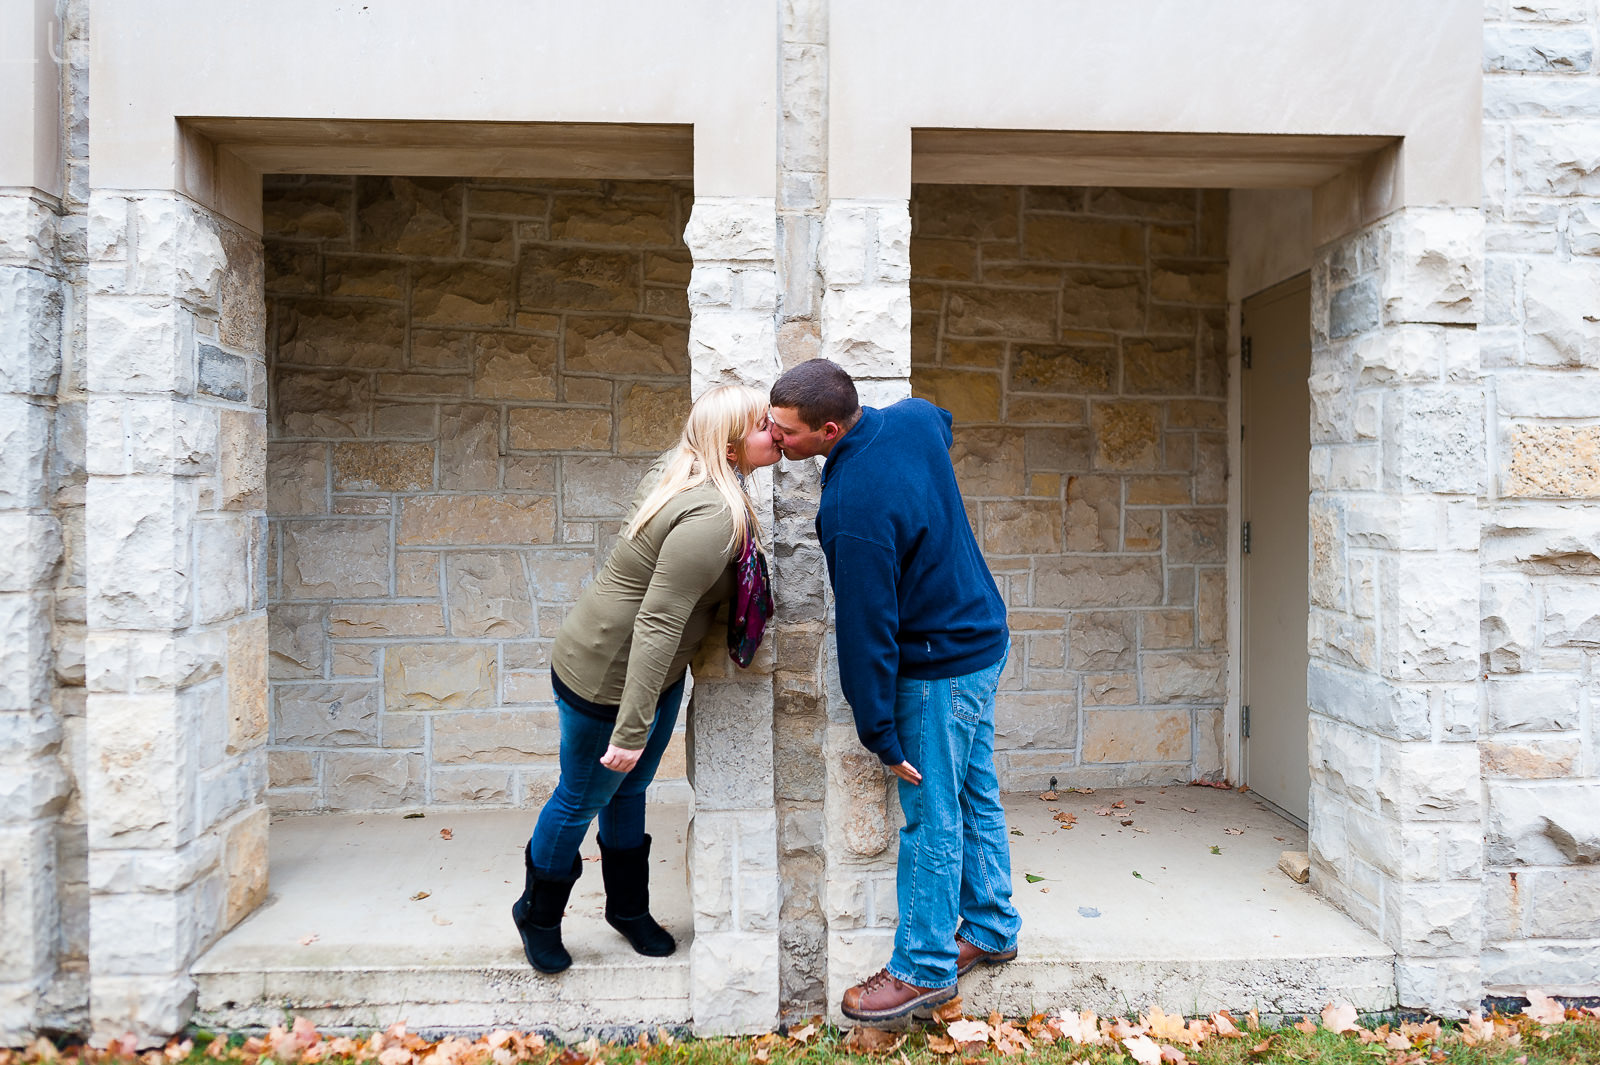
(913, 595)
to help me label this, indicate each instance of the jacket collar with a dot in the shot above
(858, 438)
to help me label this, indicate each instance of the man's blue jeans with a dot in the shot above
(588, 789)
(954, 873)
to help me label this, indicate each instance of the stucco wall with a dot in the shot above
(468, 379)
(1079, 338)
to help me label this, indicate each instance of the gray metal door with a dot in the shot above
(1275, 488)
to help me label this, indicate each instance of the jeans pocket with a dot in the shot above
(964, 703)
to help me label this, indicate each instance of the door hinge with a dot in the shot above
(1244, 539)
(1244, 720)
(1244, 352)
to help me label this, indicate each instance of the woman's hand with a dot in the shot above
(618, 760)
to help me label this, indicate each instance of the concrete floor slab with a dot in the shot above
(343, 939)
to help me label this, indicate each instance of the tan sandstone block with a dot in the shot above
(488, 519)
(1063, 368)
(626, 346)
(1183, 676)
(968, 212)
(558, 429)
(461, 294)
(376, 620)
(1110, 689)
(1157, 490)
(357, 660)
(1127, 435)
(307, 212)
(514, 737)
(368, 336)
(984, 354)
(1136, 736)
(1141, 530)
(297, 478)
(366, 467)
(652, 417)
(1075, 582)
(1166, 629)
(578, 279)
(1163, 367)
(1014, 313)
(320, 403)
(944, 260)
(603, 220)
(438, 676)
(523, 687)
(245, 865)
(1046, 410)
(1101, 299)
(373, 780)
(247, 684)
(242, 451)
(469, 447)
(345, 558)
(988, 462)
(1554, 461)
(371, 276)
(1062, 238)
(291, 769)
(1021, 527)
(969, 397)
(1094, 513)
(487, 594)
(1179, 282)
(586, 391)
(1529, 759)
(443, 349)
(515, 366)
(411, 216)
(416, 573)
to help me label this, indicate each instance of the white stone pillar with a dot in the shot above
(866, 328)
(733, 838)
(1398, 464)
(176, 646)
(33, 786)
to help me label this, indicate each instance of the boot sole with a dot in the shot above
(997, 958)
(527, 951)
(936, 997)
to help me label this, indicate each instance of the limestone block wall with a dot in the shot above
(1397, 475)
(1079, 336)
(1540, 580)
(36, 787)
(174, 766)
(468, 379)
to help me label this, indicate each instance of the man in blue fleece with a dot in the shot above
(922, 639)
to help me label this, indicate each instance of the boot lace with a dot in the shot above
(875, 981)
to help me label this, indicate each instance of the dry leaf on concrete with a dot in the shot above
(419, 896)
(445, 833)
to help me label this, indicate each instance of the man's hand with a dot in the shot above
(621, 761)
(906, 772)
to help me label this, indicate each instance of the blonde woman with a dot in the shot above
(690, 544)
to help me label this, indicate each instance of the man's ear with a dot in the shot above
(831, 430)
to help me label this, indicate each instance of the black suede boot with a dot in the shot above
(627, 877)
(538, 916)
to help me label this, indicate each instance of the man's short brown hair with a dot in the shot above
(820, 392)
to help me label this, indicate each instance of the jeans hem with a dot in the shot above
(890, 969)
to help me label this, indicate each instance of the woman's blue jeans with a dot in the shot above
(588, 789)
(954, 871)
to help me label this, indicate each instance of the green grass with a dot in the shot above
(1574, 1041)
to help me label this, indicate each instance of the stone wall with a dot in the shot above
(801, 629)
(468, 380)
(43, 842)
(175, 552)
(1079, 338)
(1540, 636)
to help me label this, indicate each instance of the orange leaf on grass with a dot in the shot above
(949, 1011)
(1339, 1017)
(1544, 1009)
(968, 1031)
(1307, 1027)
(939, 1044)
(1142, 1049)
(873, 1040)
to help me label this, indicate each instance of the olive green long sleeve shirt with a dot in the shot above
(634, 628)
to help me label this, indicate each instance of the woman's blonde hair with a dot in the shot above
(720, 419)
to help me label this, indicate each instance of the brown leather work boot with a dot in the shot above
(880, 997)
(969, 957)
